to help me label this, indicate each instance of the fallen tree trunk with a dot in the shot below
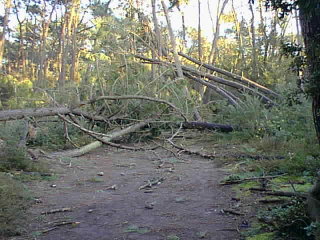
(229, 83)
(219, 80)
(231, 99)
(16, 114)
(91, 146)
(241, 79)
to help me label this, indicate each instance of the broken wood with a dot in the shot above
(56, 225)
(152, 183)
(56, 211)
(189, 151)
(230, 211)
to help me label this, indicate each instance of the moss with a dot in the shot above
(262, 236)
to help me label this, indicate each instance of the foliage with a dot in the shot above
(12, 156)
(290, 221)
(14, 199)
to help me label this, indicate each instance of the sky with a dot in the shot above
(191, 14)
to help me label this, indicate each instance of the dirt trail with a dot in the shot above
(186, 205)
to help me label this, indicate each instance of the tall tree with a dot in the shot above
(46, 16)
(199, 31)
(5, 21)
(213, 51)
(253, 42)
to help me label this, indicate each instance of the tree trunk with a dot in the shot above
(199, 32)
(4, 29)
(156, 28)
(310, 26)
(74, 77)
(173, 41)
(253, 42)
(213, 54)
(41, 81)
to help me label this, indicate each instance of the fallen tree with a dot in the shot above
(64, 112)
(241, 79)
(200, 77)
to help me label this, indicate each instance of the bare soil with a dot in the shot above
(104, 190)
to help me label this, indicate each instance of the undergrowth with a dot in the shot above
(280, 140)
(14, 200)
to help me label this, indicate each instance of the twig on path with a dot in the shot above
(57, 211)
(55, 226)
(230, 211)
(152, 183)
(189, 151)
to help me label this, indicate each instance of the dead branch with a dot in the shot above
(56, 211)
(280, 193)
(56, 225)
(152, 183)
(230, 211)
(189, 151)
(250, 179)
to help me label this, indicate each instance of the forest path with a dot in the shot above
(186, 205)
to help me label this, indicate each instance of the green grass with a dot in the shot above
(14, 200)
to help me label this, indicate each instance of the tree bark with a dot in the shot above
(310, 26)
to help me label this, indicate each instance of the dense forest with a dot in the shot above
(232, 83)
